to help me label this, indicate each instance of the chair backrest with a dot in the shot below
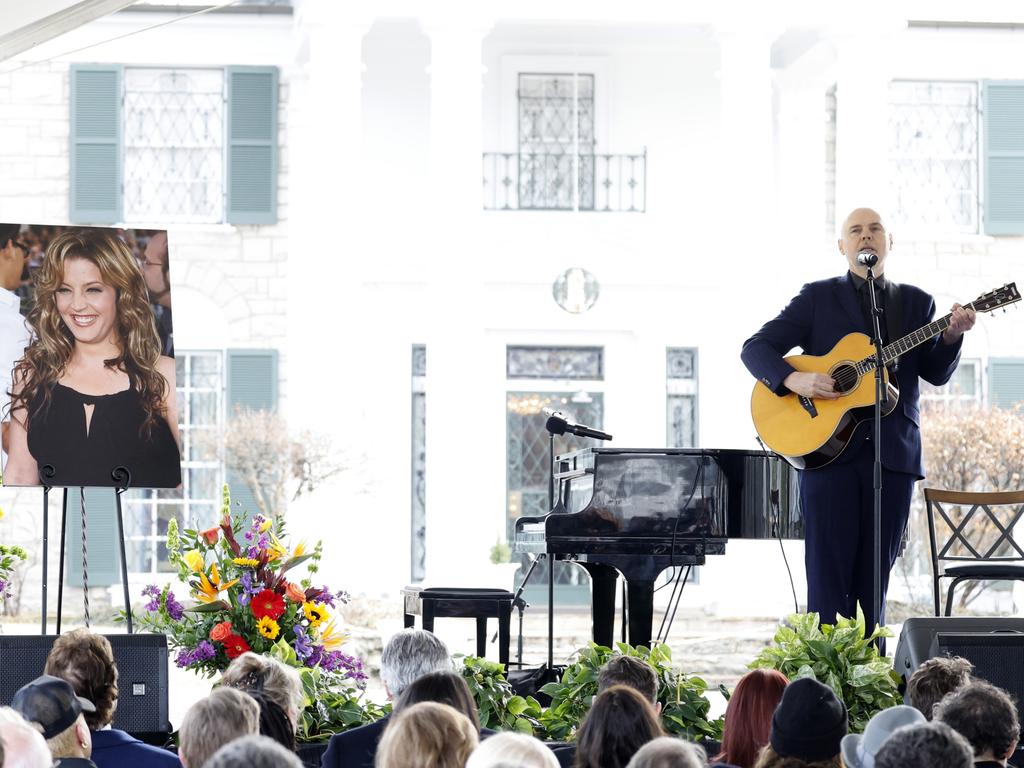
(969, 526)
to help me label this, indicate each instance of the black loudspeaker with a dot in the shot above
(141, 682)
(995, 646)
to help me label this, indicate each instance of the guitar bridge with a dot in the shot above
(808, 405)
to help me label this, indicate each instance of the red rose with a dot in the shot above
(267, 603)
(235, 646)
(221, 632)
(211, 535)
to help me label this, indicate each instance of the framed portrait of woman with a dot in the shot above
(87, 350)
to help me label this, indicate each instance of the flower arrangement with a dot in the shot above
(241, 577)
(9, 559)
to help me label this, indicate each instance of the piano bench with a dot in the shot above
(479, 604)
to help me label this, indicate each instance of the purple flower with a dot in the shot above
(174, 609)
(302, 645)
(152, 592)
(315, 656)
(204, 651)
(249, 587)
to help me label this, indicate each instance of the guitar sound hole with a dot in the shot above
(846, 378)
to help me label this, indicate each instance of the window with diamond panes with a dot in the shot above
(174, 145)
(528, 471)
(681, 397)
(200, 394)
(418, 520)
(933, 154)
(556, 141)
(830, 163)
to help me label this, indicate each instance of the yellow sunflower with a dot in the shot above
(269, 628)
(246, 562)
(315, 612)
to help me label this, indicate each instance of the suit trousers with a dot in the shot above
(838, 507)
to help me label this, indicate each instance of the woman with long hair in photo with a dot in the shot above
(620, 721)
(748, 718)
(92, 392)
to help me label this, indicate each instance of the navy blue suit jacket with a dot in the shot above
(817, 318)
(115, 749)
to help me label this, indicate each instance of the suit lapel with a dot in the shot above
(846, 297)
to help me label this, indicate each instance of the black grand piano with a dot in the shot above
(636, 512)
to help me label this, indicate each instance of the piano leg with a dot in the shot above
(602, 583)
(641, 612)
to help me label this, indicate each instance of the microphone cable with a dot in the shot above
(774, 496)
(679, 582)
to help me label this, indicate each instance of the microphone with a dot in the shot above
(867, 258)
(559, 423)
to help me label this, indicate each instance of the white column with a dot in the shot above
(460, 526)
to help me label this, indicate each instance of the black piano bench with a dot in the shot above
(479, 604)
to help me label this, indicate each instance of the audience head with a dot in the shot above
(984, 715)
(427, 735)
(925, 745)
(669, 752)
(23, 745)
(51, 704)
(807, 727)
(512, 750)
(445, 688)
(748, 716)
(223, 716)
(631, 671)
(859, 750)
(282, 684)
(274, 721)
(934, 679)
(253, 752)
(86, 661)
(620, 721)
(408, 656)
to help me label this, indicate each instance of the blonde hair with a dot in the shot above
(427, 735)
(65, 743)
(512, 750)
(47, 357)
(281, 684)
(210, 723)
(86, 660)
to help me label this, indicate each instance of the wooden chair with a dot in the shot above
(972, 538)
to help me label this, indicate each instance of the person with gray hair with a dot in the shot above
(407, 656)
(512, 750)
(925, 745)
(253, 752)
(225, 715)
(669, 752)
(23, 745)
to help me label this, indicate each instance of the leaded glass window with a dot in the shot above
(933, 154)
(681, 397)
(554, 363)
(830, 164)
(174, 145)
(200, 395)
(556, 141)
(418, 516)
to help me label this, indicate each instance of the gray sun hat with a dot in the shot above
(859, 749)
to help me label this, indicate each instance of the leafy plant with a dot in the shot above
(841, 657)
(684, 705)
(501, 552)
(497, 705)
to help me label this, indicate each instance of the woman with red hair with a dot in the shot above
(748, 718)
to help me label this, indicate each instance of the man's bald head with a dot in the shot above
(864, 230)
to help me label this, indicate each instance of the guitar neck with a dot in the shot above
(901, 346)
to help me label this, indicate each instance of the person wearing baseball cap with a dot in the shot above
(52, 705)
(807, 727)
(859, 749)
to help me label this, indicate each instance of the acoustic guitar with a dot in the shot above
(810, 433)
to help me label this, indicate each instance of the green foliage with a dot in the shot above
(497, 706)
(838, 656)
(501, 552)
(684, 705)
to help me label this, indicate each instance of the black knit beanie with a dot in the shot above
(809, 722)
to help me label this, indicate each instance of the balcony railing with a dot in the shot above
(564, 182)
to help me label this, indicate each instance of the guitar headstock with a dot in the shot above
(1000, 297)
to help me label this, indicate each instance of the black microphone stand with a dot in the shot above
(880, 396)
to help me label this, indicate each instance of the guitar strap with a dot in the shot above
(893, 316)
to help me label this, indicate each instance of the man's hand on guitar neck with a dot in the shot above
(962, 320)
(811, 385)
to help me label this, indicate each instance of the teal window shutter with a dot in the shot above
(96, 138)
(252, 145)
(1004, 157)
(251, 384)
(1005, 381)
(101, 536)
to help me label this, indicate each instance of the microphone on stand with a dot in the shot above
(559, 423)
(867, 258)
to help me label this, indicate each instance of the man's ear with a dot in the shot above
(1011, 750)
(842, 248)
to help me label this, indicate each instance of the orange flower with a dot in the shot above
(294, 593)
(211, 535)
(209, 589)
(221, 632)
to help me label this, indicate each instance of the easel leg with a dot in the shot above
(63, 537)
(46, 548)
(124, 562)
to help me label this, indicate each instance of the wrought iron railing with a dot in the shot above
(564, 182)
